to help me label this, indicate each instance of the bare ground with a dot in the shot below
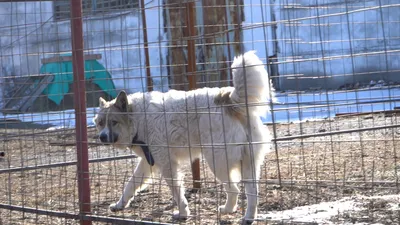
(298, 172)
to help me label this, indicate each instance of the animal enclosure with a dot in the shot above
(335, 66)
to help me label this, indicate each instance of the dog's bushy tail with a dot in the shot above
(251, 82)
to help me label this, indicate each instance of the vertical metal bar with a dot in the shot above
(94, 6)
(190, 20)
(80, 108)
(146, 48)
(273, 71)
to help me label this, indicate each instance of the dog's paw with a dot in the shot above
(247, 221)
(115, 207)
(223, 209)
(180, 216)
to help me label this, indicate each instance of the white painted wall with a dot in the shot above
(365, 33)
(29, 33)
(18, 20)
(255, 35)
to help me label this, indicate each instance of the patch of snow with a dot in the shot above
(58, 119)
(319, 213)
(323, 212)
(326, 104)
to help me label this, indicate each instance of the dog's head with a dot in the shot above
(112, 121)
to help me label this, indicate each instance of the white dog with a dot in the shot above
(222, 124)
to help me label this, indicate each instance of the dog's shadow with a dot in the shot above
(163, 207)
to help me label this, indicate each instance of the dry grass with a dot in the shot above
(311, 169)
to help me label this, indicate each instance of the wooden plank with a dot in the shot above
(24, 97)
(191, 52)
(175, 22)
(72, 143)
(10, 106)
(149, 80)
(9, 120)
(386, 112)
(40, 75)
(21, 89)
(33, 96)
(214, 21)
(9, 111)
(69, 58)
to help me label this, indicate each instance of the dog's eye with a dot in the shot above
(114, 122)
(100, 123)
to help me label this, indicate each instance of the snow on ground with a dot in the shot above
(323, 212)
(326, 104)
(58, 119)
(290, 107)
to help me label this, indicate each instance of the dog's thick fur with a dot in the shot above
(179, 126)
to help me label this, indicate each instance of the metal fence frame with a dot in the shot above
(85, 216)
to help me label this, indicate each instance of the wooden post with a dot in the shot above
(229, 70)
(146, 48)
(190, 20)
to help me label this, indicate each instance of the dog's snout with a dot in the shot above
(103, 137)
(114, 137)
(108, 137)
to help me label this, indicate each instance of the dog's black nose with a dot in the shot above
(104, 137)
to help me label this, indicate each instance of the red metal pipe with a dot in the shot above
(190, 20)
(78, 65)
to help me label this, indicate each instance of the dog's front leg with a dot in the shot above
(141, 178)
(174, 180)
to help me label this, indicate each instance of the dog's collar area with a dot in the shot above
(145, 149)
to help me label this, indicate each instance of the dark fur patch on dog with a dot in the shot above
(236, 112)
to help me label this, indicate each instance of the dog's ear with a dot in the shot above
(122, 102)
(102, 102)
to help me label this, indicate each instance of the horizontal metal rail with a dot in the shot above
(280, 139)
(104, 219)
(336, 132)
(61, 164)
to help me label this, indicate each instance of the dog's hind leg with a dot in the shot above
(174, 180)
(232, 191)
(251, 175)
(253, 158)
(226, 170)
(141, 178)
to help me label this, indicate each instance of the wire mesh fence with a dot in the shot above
(330, 140)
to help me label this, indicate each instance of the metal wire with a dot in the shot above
(334, 130)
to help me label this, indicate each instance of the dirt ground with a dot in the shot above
(297, 172)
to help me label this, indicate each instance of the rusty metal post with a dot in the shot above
(146, 48)
(80, 109)
(190, 20)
